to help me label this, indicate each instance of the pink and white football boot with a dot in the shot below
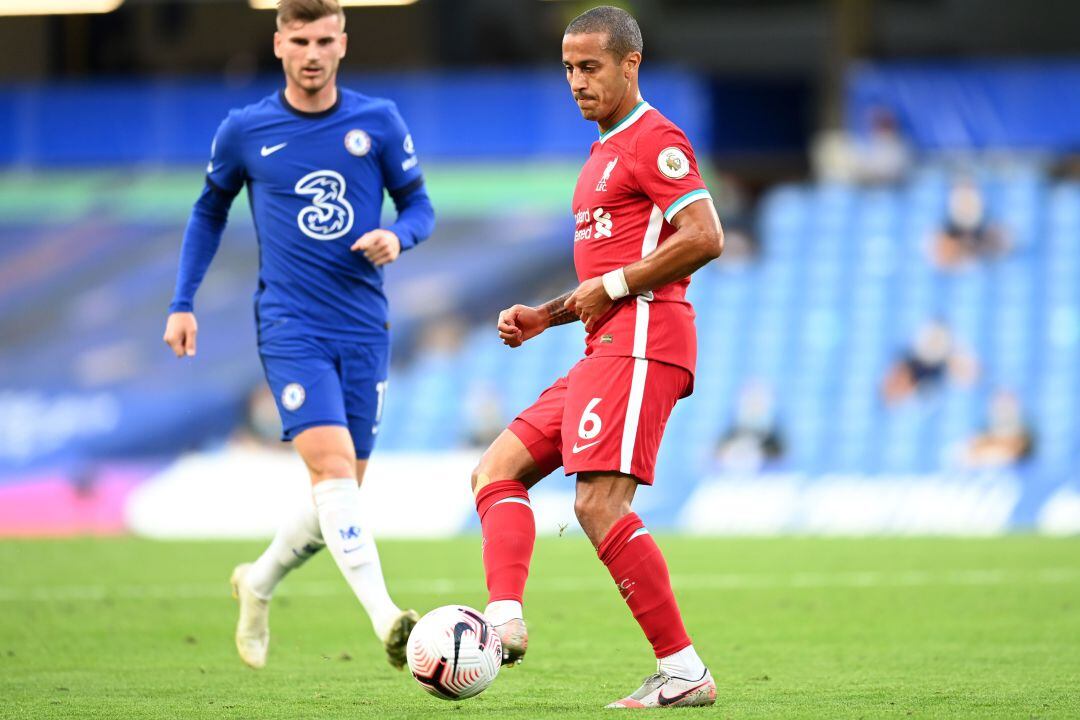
(515, 640)
(661, 690)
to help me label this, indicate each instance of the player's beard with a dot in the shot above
(314, 84)
(596, 112)
(588, 112)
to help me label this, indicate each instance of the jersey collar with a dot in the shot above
(310, 115)
(632, 117)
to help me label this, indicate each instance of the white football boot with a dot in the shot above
(515, 640)
(661, 690)
(253, 627)
(398, 637)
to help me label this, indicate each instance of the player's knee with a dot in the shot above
(597, 511)
(587, 510)
(330, 466)
(481, 476)
(489, 467)
(595, 518)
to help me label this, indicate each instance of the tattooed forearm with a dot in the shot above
(557, 314)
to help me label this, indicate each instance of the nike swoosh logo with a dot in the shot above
(460, 629)
(576, 449)
(272, 149)
(670, 700)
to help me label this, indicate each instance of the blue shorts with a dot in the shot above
(317, 382)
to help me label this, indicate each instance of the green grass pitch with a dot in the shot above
(792, 628)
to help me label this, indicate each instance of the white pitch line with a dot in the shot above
(447, 586)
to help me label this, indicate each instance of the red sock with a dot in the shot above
(506, 519)
(639, 570)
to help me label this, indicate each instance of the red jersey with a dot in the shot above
(639, 175)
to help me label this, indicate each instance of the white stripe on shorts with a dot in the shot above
(633, 414)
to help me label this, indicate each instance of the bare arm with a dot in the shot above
(522, 322)
(556, 311)
(698, 239)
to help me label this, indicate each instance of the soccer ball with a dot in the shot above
(454, 653)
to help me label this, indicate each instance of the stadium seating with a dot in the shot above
(839, 287)
(842, 283)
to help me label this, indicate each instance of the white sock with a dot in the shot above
(684, 664)
(298, 538)
(500, 611)
(349, 538)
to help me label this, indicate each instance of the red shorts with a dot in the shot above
(607, 414)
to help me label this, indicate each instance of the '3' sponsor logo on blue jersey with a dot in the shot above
(329, 216)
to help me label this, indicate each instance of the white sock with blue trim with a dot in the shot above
(298, 538)
(348, 536)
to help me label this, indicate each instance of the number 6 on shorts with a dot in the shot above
(589, 426)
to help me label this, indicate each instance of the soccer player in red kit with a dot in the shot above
(644, 222)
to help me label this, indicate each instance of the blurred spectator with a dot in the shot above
(261, 426)
(967, 234)
(443, 335)
(933, 359)
(1067, 167)
(736, 211)
(483, 414)
(1006, 440)
(832, 156)
(882, 157)
(740, 246)
(753, 441)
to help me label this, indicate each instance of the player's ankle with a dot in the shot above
(501, 611)
(684, 664)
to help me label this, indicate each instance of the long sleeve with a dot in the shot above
(224, 178)
(415, 215)
(401, 170)
(201, 240)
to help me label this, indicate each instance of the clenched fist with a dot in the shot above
(520, 323)
(590, 302)
(180, 332)
(379, 246)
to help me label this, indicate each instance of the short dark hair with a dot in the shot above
(623, 33)
(306, 11)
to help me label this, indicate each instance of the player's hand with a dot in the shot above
(180, 332)
(379, 246)
(590, 302)
(520, 323)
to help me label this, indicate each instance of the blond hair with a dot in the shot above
(305, 11)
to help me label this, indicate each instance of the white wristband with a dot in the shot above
(615, 284)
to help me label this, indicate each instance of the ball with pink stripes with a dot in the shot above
(454, 652)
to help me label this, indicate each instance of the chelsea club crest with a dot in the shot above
(357, 142)
(293, 396)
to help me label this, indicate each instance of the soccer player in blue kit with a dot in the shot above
(316, 159)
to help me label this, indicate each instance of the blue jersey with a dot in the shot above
(316, 183)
